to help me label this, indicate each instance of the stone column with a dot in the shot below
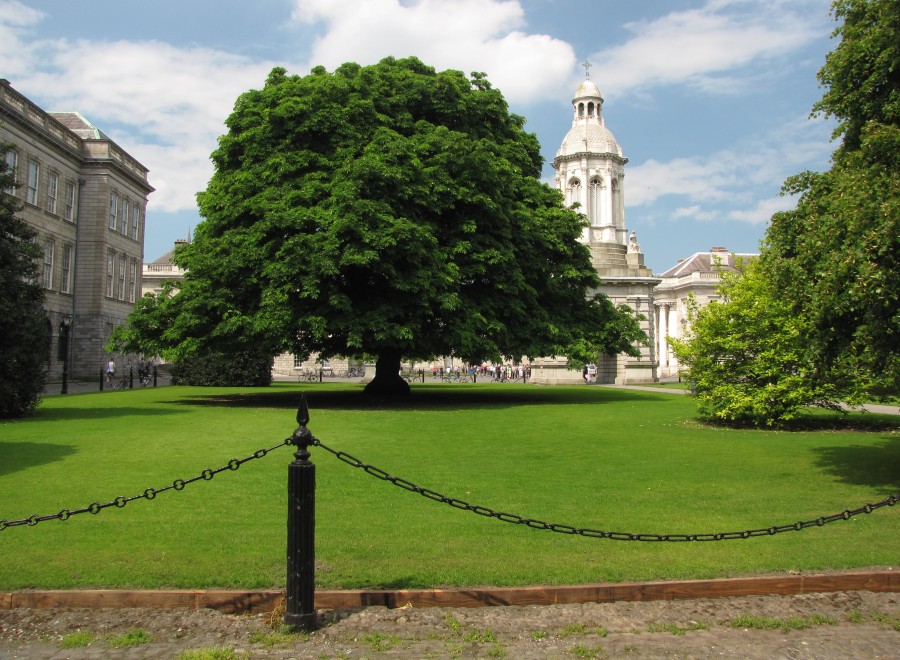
(663, 331)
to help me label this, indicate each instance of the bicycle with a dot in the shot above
(146, 380)
(123, 383)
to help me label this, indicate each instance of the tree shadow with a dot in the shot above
(98, 413)
(21, 455)
(424, 397)
(864, 465)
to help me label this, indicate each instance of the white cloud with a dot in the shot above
(703, 47)
(469, 35)
(165, 103)
(763, 210)
(15, 53)
(745, 179)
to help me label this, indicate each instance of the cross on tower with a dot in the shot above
(587, 69)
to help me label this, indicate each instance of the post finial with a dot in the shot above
(303, 411)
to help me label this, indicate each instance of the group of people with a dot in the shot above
(144, 368)
(498, 371)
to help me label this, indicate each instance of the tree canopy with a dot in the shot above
(838, 252)
(818, 319)
(23, 322)
(386, 210)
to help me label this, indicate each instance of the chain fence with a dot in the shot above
(598, 533)
(149, 494)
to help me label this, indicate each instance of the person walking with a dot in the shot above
(110, 371)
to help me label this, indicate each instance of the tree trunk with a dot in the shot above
(387, 381)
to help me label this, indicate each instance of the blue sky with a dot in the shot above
(709, 99)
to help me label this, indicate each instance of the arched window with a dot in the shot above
(574, 192)
(594, 189)
(591, 109)
(581, 110)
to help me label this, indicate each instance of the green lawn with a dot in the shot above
(584, 456)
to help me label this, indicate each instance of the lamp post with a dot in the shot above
(62, 353)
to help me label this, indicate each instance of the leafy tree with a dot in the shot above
(838, 253)
(23, 322)
(387, 210)
(745, 355)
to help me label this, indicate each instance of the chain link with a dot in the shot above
(599, 533)
(149, 494)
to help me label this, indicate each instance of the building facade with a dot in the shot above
(696, 277)
(86, 198)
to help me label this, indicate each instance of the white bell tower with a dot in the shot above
(590, 172)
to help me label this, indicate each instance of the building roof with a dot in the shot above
(78, 124)
(714, 261)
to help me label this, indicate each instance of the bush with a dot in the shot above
(224, 370)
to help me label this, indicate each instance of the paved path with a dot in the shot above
(871, 407)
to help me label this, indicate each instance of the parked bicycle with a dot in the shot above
(123, 382)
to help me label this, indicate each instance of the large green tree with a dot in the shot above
(837, 256)
(23, 322)
(817, 320)
(388, 210)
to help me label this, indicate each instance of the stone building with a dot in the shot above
(590, 172)
(86, 197)
(697, 276)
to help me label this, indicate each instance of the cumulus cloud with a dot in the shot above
(470, 35)
(16, 20)
(736, 177)
(165, 103)
(703, 47)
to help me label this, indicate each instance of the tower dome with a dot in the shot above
(588, 133)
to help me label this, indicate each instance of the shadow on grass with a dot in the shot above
(72, 414)
(21, 455)
(423, 397)
(864, 465)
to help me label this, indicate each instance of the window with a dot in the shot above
(110, 272)
(70, 202)
(123, 217)
(113, 209)
(34, 180)
(52, 188)
(65, 284)
(574, 192)
(594, 208)
(122, 268)
(12, 160)
(135, 220)
(132, 282)
(47, 275)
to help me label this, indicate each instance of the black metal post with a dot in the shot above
(300, 612)
(130, 378)
(154, 375)
(101, 379)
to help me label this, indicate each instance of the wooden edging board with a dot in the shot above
(231, 601)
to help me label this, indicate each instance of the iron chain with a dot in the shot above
(149, 494)
(599, 533)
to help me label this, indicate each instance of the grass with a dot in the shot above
(134, 637)
(77, 640)
(785, 624)
(584, 456)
